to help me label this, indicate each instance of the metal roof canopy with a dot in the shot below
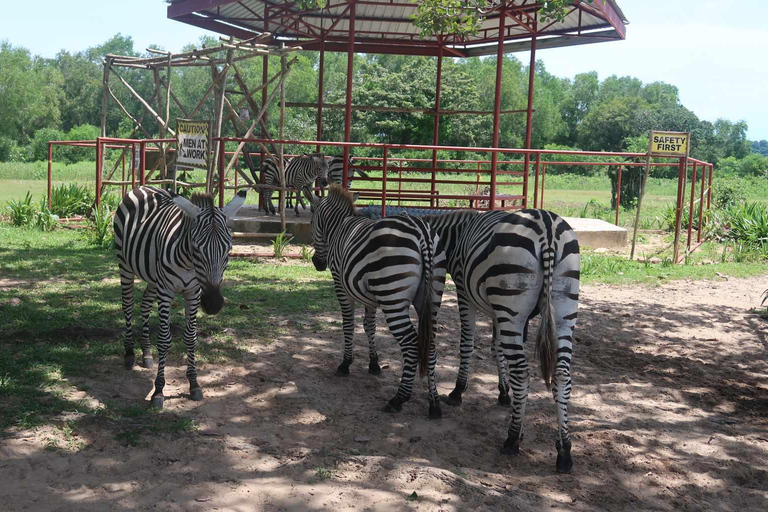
(385, 26)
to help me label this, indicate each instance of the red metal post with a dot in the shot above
(133, 166)
(384, 184)
(536, 183)
(435, 135)
(701, 201)
(264, 80)
(50, 175)
(690, 212)
(98, 170)
(709, 190)
(525, 181)
(529, 112)
(221, 174)
(350, 72)
(143, 163)
(320, 90)
(123, 180)
(681, 173)
(237, 173)
(618, 196)
(497, 105)
(543, 175)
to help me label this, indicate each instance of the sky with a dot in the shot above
(714, 51)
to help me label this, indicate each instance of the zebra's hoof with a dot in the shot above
(504, 400)
(343, 369)
(453, 399)
(564, 462)
(129, 361)
(196, 394)
(374, 368)
(512, 446)
(393, 406)
(157, 402)
(148, 362)
(435, 413)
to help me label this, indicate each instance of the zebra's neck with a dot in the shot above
(341, 231)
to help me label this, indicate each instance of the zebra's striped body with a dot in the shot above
(390, 264)
(512, 266)
(176, 246)
(300, 174)
(336, 171)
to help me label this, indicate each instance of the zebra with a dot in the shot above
(175, 245)
(513, 266)
(391, 264)
(336, 171)
(300, 174)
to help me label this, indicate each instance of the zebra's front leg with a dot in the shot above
(369, 324)
(400, 325)
(191, 305)
(147, 301)
(498, 350)
(163, 345)
(126, 288)
(348, 326)
(467, 312)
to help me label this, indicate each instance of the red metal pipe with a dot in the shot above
(50, 175)
(618, 196)
(709, 190)
(690, 212)
(133, 166)
(526, 179)
(543, 175)
(221, 174)
(536, 183)
(350, 73)
(98, 171)
(143, 163)
(320, 90)
(497, 105)
(123, 178)
(529, 111)
(701, 201)
(435, 135)
(384, 186)
(679, 206)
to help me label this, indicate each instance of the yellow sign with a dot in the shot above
(193, 138)
(669, 143)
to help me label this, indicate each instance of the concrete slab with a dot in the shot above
(592, 233)
(597, 233)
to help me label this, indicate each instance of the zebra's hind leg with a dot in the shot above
(191, 305)
(369, 324)
(467, 312)
(565, 301)
(510, 345)
(126, 288)
(501, 365)
(348, 326)
(163, 345)
(147, 301)
(401, 327)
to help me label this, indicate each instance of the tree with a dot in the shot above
(609, 124)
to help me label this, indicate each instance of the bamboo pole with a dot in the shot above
(219, 118)
(141, 100)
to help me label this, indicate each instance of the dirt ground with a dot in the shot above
(669, 412)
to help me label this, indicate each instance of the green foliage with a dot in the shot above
(307, 253)
(727, 192)
(39, 144)
(280, 244)
(747, 223)
(100, 233)
(21, 210)
(70, 200)
(44, 219)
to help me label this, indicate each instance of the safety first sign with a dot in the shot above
(669, 143)
(193, 138)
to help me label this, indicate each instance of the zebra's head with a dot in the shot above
(328, 214)
(321, 165)
(211, 241)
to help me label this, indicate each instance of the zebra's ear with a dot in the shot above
(231, 207)
(189, 209)
(355, 197)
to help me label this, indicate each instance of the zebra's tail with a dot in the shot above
(546, 339)
(361, 174)
(426, 327)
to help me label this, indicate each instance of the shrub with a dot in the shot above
(22, 212)
(40, 141)
(44, 219)
(72, 154)
(6, 147)
(280, 244)
(727, 192)
(72, 199)
(747, 223)
(101, 233)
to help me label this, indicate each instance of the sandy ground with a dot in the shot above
(669, 412)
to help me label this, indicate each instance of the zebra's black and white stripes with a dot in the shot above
(390, 264)
(300, 174)
(336, 171)
(176, 246)
(513, 266)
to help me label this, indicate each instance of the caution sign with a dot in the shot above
(193, 138)
(669, 143)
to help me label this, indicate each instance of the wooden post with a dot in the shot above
(219, 117)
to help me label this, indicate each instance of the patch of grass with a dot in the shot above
(324, 474)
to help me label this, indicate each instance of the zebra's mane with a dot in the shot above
(204, 201)
(338, 195)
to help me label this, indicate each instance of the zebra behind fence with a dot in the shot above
(390, 264)
(513, 266)
(336, 171)
(300, 175)
(176, 246)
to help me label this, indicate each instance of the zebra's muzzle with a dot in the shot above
(320, 264)
(211, 299)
